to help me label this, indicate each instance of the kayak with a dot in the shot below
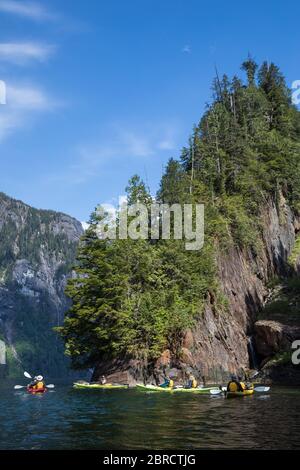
(98, 386)
(155, 388)
(203, 390)
(35, 392)
(244, 393)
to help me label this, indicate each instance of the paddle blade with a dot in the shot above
(261, 389)
(27, 375)
(215, 391)
(50, 386)
(17, 387)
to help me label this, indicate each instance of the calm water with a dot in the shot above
(129, 419)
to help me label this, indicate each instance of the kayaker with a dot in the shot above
(192, 382)
(103, 380)
(37, 384)
(168, 383)
(235, 385)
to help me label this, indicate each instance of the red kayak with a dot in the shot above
(34, 391)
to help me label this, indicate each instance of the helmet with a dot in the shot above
(234, 377)
(39, 378)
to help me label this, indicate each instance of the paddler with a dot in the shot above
(168, 383)
(37, 384)
(192, 382)
(236, 385)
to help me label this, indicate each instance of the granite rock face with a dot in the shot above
(220, 342)
(223, 339)
(37, 250)
(273, 337)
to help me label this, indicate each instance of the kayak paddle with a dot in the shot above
(18, 387)
(27, 375)
(261, 389)
(217, 391)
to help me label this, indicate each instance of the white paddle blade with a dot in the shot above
(215, 391)
(17, 387)
(50, 386)
(27, 375)
(262, 389)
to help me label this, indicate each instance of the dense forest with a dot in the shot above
(37, 251)
(138, 297)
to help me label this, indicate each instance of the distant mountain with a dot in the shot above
(37, 251)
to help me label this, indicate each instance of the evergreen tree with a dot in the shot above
(138, 297)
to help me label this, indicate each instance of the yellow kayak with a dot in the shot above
(244, 393)
(155, 388)
(78, 385)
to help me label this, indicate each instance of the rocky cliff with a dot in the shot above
(37, 250)
(223, 340)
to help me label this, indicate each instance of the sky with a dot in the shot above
(97, 91)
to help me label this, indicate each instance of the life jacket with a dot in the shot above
(171, 383)
(39, 386)
(194, 383)
(235, 386)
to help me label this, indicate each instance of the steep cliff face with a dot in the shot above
(37, 250)
(221, 342)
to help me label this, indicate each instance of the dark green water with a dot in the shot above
(129, 419)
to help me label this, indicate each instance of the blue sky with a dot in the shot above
(99, 90)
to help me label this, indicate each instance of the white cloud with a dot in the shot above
(186, 49)
(29, 98)
(85, 225)
(22, 53)
(27, 9)
(110, 207)
(22, 103)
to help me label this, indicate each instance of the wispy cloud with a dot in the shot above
(19, 97)
(27, 9)
(135, 144)
(187, 49)
(120, 143)
(23, 102)
(23, 52)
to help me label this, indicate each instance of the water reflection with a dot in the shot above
(74, 419)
